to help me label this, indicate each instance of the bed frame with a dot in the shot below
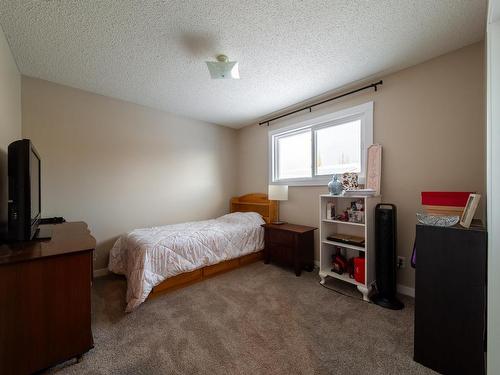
(255, 202)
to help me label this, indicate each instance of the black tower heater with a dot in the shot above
(385, 257)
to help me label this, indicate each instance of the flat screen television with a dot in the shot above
(24, 190)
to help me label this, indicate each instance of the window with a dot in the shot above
(294, 155)
(338, 148)
(310, 152)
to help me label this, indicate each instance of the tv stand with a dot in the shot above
(45, 291)
(44, 232)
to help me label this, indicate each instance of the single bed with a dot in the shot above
(160, 259)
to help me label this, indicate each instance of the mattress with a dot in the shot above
(149, 256)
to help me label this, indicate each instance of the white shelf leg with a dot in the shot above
(323, 278)
(365, 291)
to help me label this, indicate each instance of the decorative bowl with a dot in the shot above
(438, 221)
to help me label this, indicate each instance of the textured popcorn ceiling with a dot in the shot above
(153, 52)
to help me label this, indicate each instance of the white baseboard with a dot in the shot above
(101, 272)
(406, 290)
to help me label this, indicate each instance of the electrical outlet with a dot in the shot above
(401, 262)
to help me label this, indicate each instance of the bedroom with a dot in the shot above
(133, 133)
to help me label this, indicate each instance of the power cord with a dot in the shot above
(344, 294)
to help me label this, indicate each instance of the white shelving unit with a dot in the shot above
(366, 230)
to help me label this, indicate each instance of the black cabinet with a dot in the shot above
(450, 299)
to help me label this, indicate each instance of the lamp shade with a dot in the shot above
(278, 192)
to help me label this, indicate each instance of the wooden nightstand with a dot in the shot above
(290, 245)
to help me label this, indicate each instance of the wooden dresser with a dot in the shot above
(45, 299)
(290, 245)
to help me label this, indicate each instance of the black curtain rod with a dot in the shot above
(310, 107)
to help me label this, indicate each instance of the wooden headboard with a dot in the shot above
(256, 202)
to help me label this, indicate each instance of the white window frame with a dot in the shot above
(363, 112)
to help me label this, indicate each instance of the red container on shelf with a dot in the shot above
(359, 270)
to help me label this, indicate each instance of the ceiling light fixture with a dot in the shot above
(223, 68)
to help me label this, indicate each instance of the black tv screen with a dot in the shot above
(35, 184)
(24, 190)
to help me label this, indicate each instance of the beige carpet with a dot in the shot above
(259, 319)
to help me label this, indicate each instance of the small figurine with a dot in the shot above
(360, 205)
(344, 216)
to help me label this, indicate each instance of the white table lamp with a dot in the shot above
(278, 193)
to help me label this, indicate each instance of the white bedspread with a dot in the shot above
(148, 256)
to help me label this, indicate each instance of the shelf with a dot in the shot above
(349, 196)
(347, 246)
(331, 226)
(251, 203)
(343, 222)
(344, 277)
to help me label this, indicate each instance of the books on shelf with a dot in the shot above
(347, 239)
(444, 203)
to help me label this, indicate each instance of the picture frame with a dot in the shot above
(330, 211)
(469, 210)
(374, 168)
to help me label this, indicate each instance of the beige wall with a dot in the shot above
(10, 117)
(430, 121)
(120, 166)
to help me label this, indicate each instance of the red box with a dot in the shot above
(445, 198)
(359, 270)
